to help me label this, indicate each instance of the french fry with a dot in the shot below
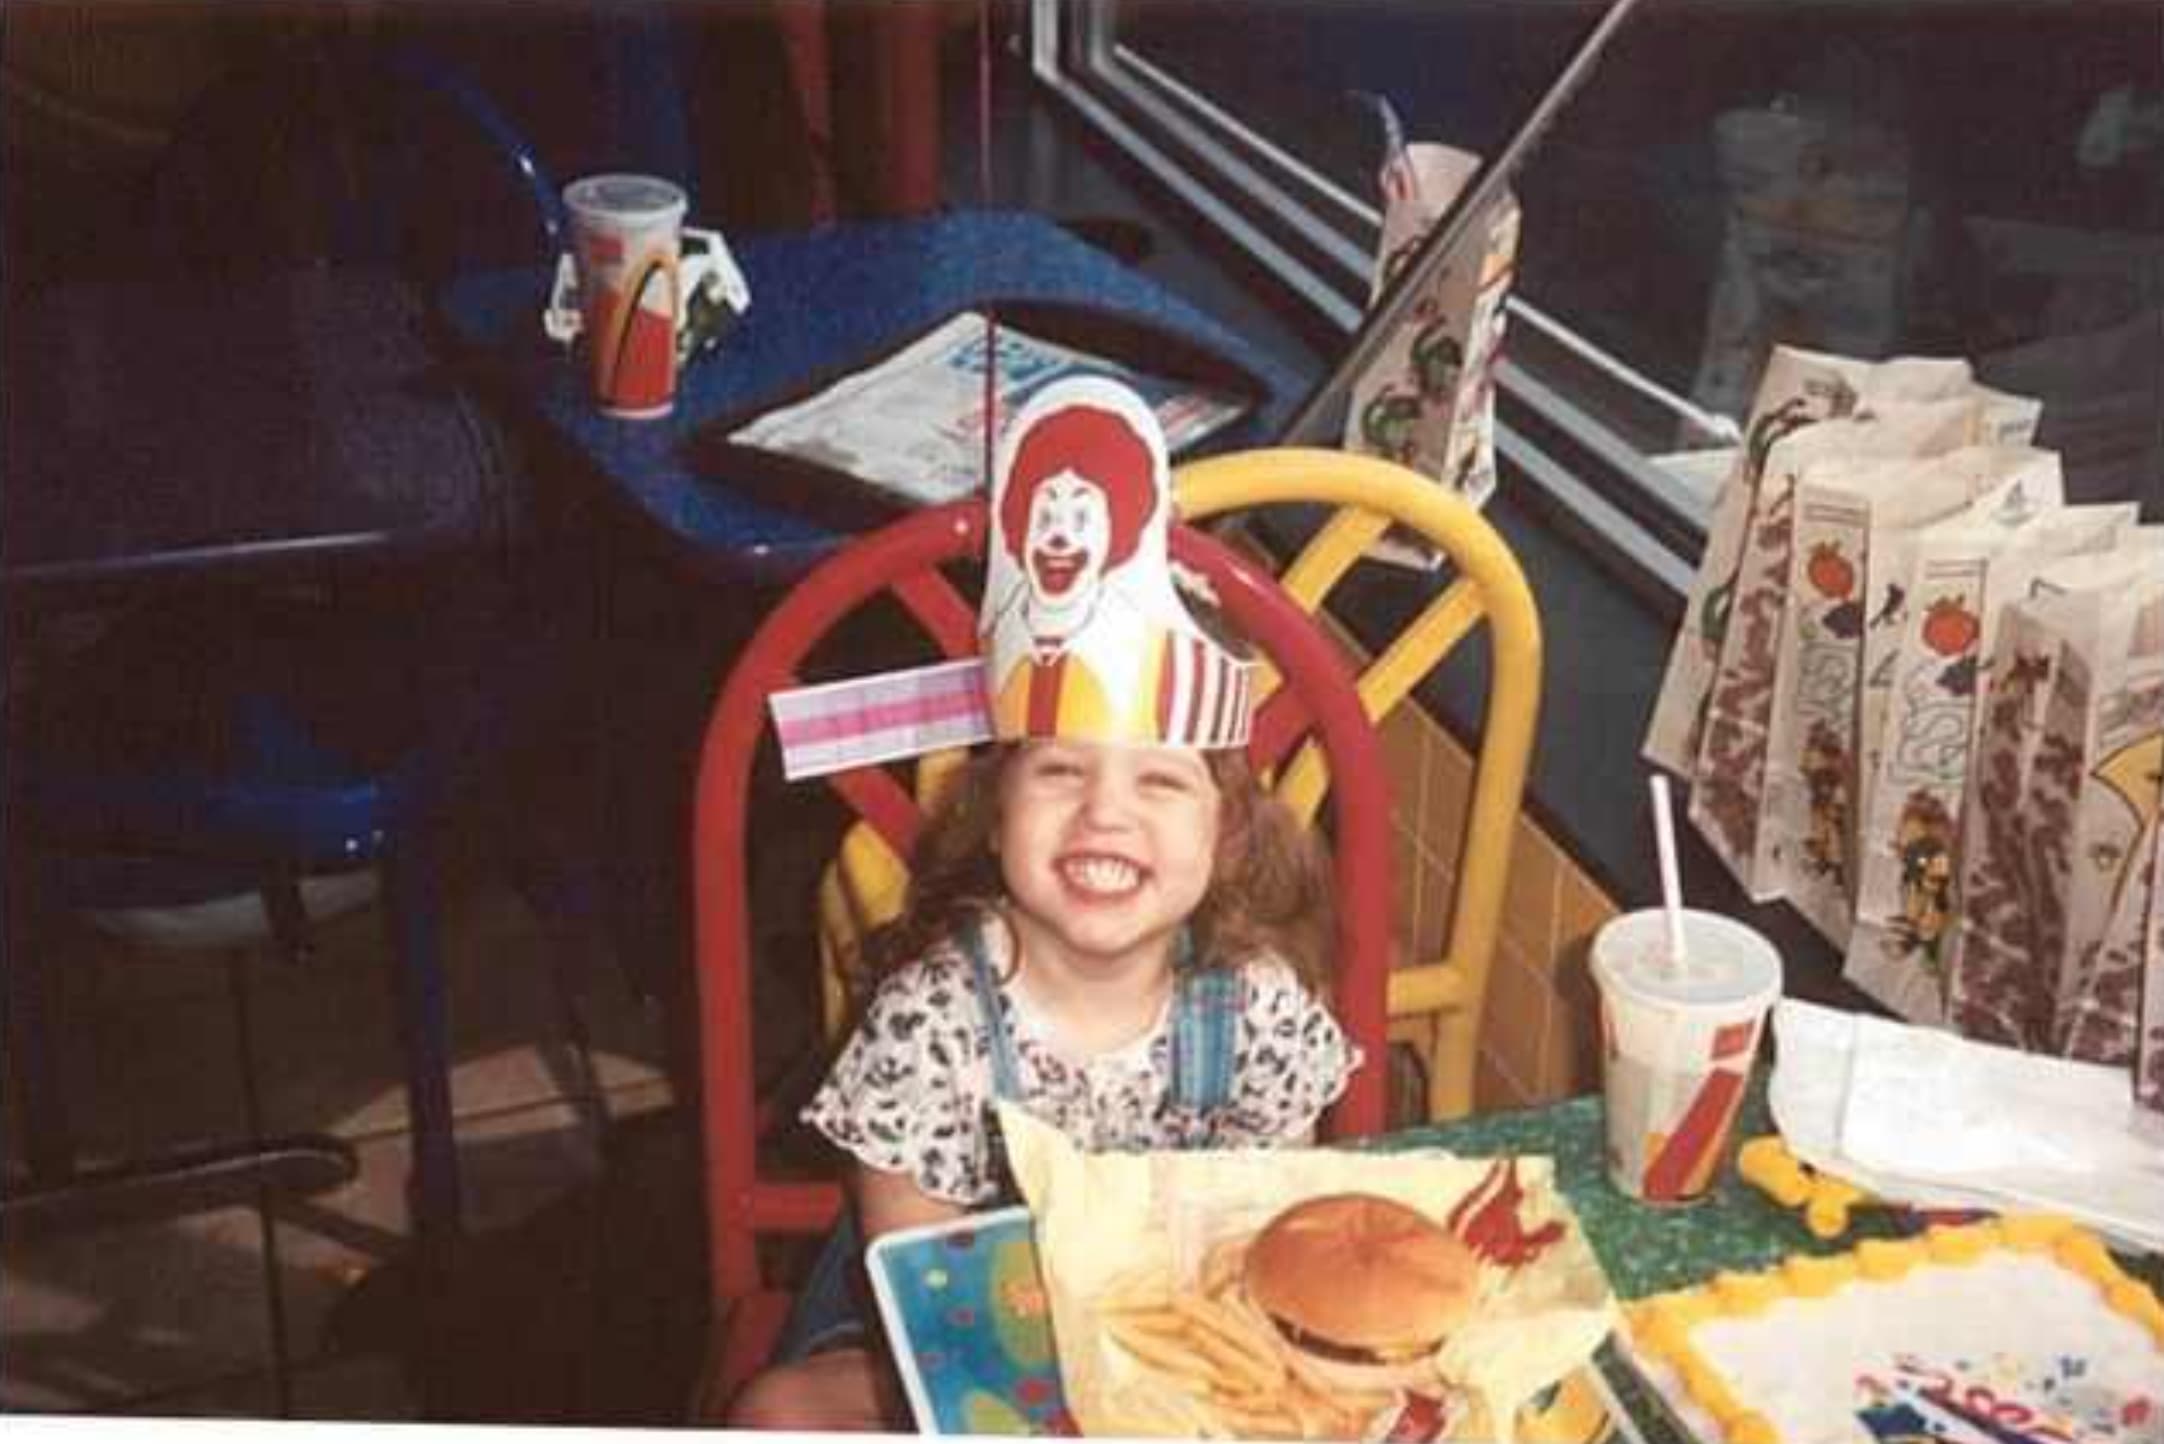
(1309, 1378)
(1214, 1345)
(1221, 1265)
(1214, 1316)
(1226, 1344)
(1240, 1306)
(1257, 1375)
(1169, 1354)
(1145, 1291)
(1162, 1322)
(1274, 1422)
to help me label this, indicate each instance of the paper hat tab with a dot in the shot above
(1085, 636)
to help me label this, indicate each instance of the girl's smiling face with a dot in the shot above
(1105, 850)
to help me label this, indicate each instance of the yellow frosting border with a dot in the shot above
(1661, 1325)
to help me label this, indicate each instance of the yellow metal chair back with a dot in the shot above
(1435, 1003)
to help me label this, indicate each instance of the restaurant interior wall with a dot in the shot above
(1539, 1042)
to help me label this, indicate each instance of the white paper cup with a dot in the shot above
(1677, 1045)
(626, 236)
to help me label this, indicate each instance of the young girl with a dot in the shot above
(1113, 933)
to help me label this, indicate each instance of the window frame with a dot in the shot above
(1317, 242)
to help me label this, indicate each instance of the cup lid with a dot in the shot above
(1727, 964)
(626, 197)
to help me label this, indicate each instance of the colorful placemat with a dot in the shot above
(965, 1313)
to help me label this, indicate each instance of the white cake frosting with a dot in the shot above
(1986, 1334)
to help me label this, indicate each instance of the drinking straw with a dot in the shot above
(1664, 841)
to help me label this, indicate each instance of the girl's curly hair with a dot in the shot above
(1268, 890)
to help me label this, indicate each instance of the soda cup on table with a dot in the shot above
(643, 289)
(1677, 1042)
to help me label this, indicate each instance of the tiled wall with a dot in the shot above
(1540, 1039)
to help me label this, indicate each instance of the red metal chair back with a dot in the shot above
(1318, 698)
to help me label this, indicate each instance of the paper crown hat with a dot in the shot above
(1085, 634)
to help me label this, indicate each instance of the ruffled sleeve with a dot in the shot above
(908, 1093)
(1294, 1061)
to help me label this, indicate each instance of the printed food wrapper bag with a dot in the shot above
(1797, 388)
(1729, 776)
(2149, 1053)
(1428, 401)
(1965, 573)
(1897, 524)
(2062, 797)
(1816, 786)
(1109, 1223)
(2017, 820)
(2098, 1004)
(1911, 497)
(1744, 722)
(1989, 984)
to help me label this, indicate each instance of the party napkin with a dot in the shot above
(1924, 1117)
(1112, 1225)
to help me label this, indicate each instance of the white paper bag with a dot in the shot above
(1912, 496)
(1820, 726)
(1798, 388)
(2149, 1054)
(1428, 401)
(1728, 774)
(2062, 797)
(1964, 576)
(2098, 1012)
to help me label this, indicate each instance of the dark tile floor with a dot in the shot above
(174, 1316)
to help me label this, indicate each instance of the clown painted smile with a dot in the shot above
(1069, 526)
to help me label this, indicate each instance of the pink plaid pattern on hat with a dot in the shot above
(833, 726)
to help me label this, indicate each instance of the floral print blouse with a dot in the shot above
(911, 1090)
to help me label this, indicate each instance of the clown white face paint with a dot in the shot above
(1070, 529)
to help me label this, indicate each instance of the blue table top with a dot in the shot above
(822, 301)
(192, 426)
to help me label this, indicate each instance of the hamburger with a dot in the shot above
(1363, 1289)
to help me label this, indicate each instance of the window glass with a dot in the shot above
(1973, 177)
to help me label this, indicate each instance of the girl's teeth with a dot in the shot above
(1103, 874)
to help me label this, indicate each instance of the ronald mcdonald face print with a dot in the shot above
(1070, 528)
(1085, 635)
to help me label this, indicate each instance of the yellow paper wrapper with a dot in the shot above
(1128, 1241)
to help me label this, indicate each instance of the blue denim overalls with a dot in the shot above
(1205, 1031)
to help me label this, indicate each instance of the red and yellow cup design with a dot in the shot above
(626, 236)
(1677, 1046)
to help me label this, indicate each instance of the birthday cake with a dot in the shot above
(2021, 1331)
